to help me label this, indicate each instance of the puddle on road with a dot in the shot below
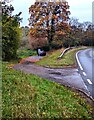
(56, 73)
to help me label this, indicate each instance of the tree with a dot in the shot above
(11, 32)
(81, 33)
(88, 34)
(46, 17)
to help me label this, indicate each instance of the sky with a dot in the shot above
(80, 9)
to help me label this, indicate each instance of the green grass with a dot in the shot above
(23, 53)
(67, 60)
(29, 96)
(0, 88)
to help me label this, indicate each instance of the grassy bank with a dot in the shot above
(67, 60)
(25, 52)
(29, 96)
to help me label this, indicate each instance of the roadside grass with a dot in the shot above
(29, 96)
(66, 61)
(25, 52)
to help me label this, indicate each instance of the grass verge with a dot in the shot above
(24, 52)
(67, 60)
(29, 96)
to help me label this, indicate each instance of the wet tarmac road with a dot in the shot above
(86, 68)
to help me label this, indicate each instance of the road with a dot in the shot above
(85, 60)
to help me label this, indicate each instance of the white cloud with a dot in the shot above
(22, 6)
(80, 2)
(81, 9)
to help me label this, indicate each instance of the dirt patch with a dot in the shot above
(31, 59)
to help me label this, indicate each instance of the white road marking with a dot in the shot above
(84, 73)
(78, 61)
(89, 81)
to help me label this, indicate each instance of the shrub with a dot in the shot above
(11, 32)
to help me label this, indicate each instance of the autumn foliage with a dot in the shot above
(47, 20)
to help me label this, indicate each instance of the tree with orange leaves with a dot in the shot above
(47, 17)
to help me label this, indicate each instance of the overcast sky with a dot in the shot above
(81, 9)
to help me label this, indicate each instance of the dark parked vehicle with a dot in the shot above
(41, 52)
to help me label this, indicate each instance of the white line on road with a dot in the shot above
(89, 81)
(84, 73)
(78, 61)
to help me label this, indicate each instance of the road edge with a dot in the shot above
(79, 64)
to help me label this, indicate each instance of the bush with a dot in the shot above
(10, 43)
(56, 46)
(87, 42)
(46, 48)
(22, 53)
(11, 32)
